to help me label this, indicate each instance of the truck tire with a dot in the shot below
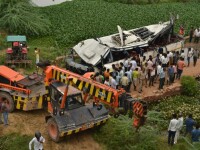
(53, 130)
(9, 99)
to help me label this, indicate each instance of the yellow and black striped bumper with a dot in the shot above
(82, 128)
(25, 103)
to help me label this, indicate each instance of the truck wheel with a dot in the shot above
(9, 100)
(53, 131)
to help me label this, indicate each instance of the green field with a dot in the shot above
(72, 22)
(78, 20)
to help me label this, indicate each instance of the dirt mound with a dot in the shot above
(26, 123)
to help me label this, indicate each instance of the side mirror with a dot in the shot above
(99, 107)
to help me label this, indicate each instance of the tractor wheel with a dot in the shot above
(53, 130)
(9, 100)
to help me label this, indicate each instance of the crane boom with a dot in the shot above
(103, 93)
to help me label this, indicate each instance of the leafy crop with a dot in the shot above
(189, 86)
(75, 21)
(183, 104)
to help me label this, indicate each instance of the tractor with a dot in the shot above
(19, 49)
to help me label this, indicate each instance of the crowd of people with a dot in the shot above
(176, 125)
(140, 73)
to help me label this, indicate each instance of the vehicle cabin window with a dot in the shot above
(74, 102)
(55, 95)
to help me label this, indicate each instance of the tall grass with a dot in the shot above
(14, 142)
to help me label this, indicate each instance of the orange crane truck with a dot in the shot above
(25, 93)
(62, 81)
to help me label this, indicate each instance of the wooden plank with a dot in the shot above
(18, 62)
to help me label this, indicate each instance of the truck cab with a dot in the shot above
(74, 97)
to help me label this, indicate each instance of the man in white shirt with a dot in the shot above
(121, 72)
(113, 82)
(170, 57)
(196, 35)
(134, 64)
(172, 129)
(179, 127)
(182, 54)
(126, 62)
(149, 67)
(189, 55)
(129, 75)
(38, 141)
(164, 60)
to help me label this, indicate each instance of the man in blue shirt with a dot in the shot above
(171, 74)
(196, 134)
(189, 124)
(162, 78)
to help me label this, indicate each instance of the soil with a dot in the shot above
(26, 123)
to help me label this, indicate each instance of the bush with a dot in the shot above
(189, 86)
(118, 134)
(20, 17)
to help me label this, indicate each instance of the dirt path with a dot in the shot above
(26, 123)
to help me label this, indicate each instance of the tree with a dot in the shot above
(20, 17)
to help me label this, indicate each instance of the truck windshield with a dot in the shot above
(74, 102)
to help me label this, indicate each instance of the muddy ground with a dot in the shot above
(26, 123)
